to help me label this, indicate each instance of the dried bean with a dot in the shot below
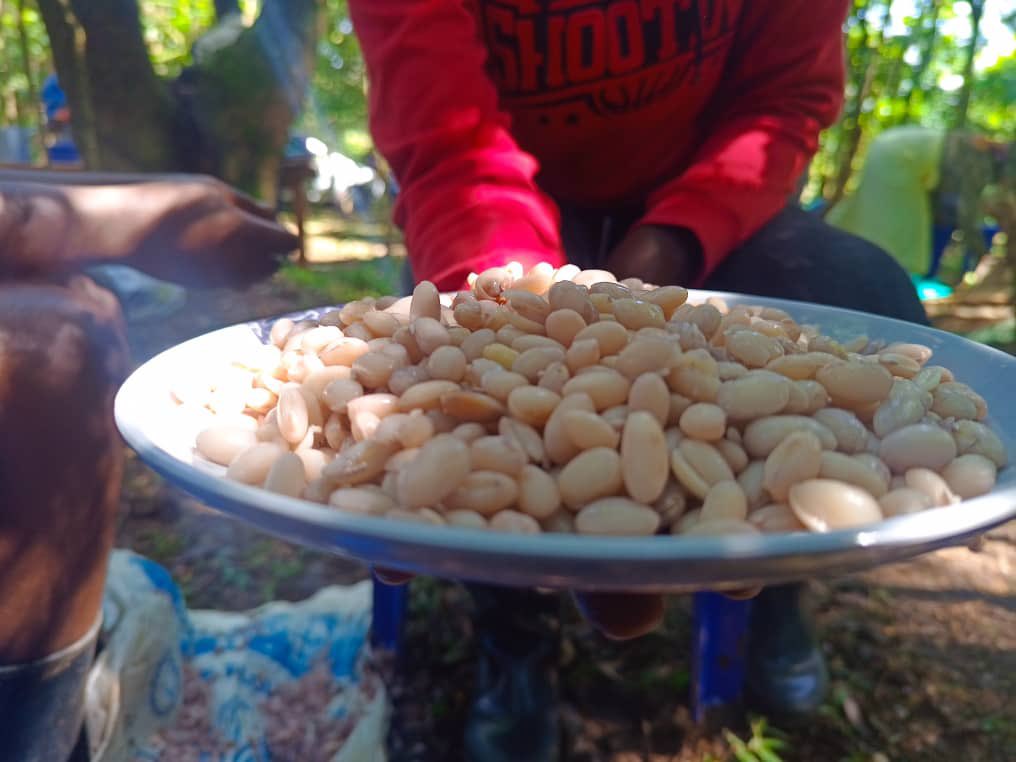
(918, 445)
(704, 421)
(533, 405)
(852, 385)
(606, 388)
(844, 468)
(617, 516)
(538, 492)
(440, 467)
(514, 522)
(590, 475)
(695, 375)
(724, 500)
(850, 434)
(222, 444)
(471, 406)
(795, 459)
(774, 518)
(587, 429)
(253, 464)
(970, 475)
(824, 505)
(644, 457)
(485, 492)
(286, 476)
(762, 436)
(649, 392)
(902, 501)
(610, 337)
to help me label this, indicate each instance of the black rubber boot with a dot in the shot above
(514, 713)
(786, 671)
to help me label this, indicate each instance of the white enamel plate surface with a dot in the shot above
(152, 424)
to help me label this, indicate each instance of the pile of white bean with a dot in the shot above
(565, 401)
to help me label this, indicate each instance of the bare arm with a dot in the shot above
(190, 229)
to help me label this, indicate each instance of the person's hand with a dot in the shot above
(199, 231)
(618, 616)
(621, 616)
(666, 256)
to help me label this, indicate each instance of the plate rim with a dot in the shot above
(261, 508)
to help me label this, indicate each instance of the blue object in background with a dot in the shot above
(718, 655)
(718, 651)
(63, 152)
(941, 237)
(16, 145)
(53, 97)
(389, 614)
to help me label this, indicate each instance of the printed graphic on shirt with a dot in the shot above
(609, 57)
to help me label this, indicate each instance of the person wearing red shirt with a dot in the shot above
(659, 139)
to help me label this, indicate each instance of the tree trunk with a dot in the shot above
(850, 134)
(120, 112)
(245, 95)
(67, 43)
(229, 115)
(853, 139)
(976, 12)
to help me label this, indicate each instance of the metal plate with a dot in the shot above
(153, 425)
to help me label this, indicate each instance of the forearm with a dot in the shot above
(51, 227)
(468, 196)
(36, 224)
(74, 177)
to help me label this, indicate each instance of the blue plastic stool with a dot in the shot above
(718, 650)
(63, 152)
(720, 630)
(389, 616)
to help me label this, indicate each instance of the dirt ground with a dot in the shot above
(922, 654)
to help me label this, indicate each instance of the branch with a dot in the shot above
(963, 107)
(26, 64)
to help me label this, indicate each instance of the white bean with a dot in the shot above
(918, 445)
(824, 505)
(644, 457)
(436, 472)
(590, 475)
(970, 475)
(617, 516)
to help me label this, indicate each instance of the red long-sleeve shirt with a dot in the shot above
(705, 111)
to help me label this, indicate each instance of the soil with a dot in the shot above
(922, 654)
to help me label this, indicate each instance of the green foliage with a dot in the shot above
(336, 110)
(763, 746)
(341, 283)
(20, 23)
(993, 109)
(171, 27)
(895, 76)
(910, 74)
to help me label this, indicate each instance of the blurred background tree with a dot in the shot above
(218, 85)
(171, 85)
(941, 63)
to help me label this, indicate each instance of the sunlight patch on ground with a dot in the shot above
(325, 249)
